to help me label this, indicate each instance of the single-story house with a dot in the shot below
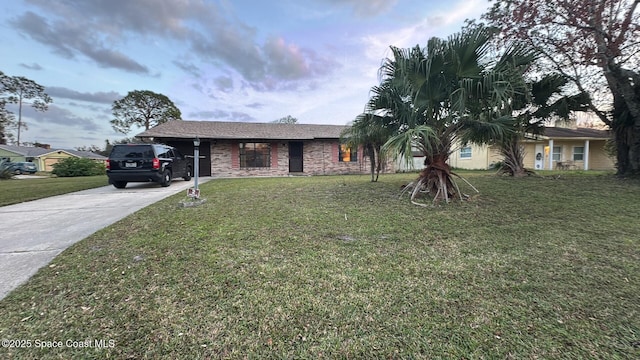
(230, 149)
(556, 149)
(569, 149)
(43, 157)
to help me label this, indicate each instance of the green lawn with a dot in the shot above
(338, 267)
(14, 191)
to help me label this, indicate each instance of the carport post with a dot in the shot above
(196, 162)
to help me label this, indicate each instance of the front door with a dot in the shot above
(539, 157)
(295, 156)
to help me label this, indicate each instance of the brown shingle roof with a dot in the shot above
(242, 130)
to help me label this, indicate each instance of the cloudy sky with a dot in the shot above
(226, 60)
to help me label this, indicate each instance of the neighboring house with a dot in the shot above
(557, 149)
(470, 157)
(44, 158)
(262, 149)
(568, 149)
(475, 157)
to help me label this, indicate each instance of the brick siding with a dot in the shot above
(320, 157)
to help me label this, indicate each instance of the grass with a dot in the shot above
(338, 267)
(18, 190)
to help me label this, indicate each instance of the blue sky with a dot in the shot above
(227, 60)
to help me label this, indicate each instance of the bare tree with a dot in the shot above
(595, 44)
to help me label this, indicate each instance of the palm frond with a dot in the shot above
(422, 138)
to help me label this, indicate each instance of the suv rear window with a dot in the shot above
(132, 151)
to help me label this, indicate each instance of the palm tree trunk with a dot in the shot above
(513, 159)
(437, 178)
(372, 161)
(377, 150)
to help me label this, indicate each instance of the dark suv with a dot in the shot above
(146, 162)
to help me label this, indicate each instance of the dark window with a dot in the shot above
(132, 151)
(347, 154)
(255, 155)
(164, 152)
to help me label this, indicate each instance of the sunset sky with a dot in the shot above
(234, 60)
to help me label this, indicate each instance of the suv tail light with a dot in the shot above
(156, 163)
(108, 164)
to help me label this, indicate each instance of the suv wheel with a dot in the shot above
(120, 184)
(166, 178)
(187, 176)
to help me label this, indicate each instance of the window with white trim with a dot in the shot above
(578, 153)
(557, 153)
(465, 152)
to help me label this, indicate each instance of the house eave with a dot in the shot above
(565, 138)
(58, 151)
(238, 131)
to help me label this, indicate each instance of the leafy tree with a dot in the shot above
(92, 148)
(142, 108)
(19, 90)
(450, 93)
(73, 166)
(370, 132)
(7, 119)
(108, 144)
(594, 44)
(286, 120)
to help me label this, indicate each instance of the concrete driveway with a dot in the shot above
(35, 232)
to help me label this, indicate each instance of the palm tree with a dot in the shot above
(370, 132)
(544, 101)
(447, 95)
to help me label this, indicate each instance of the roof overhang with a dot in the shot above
(241, 131)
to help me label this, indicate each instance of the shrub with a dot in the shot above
(5, 170)
(73, 166)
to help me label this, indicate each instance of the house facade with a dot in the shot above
(475, 157)
(568, 149)
(557, 149)
(44, 158)
(231, 149)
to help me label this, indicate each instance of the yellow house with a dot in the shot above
(44, 158)
(475, 157)
(568, 149)
(556, 149)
